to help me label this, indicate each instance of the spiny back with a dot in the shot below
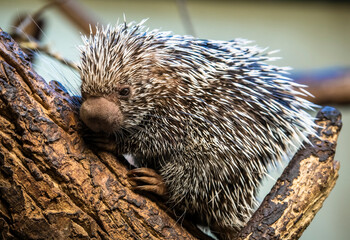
(237, 101)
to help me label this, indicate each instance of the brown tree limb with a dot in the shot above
(52, 186)
(334, 89)
(303, 186)
(77, 14)
(28, 31)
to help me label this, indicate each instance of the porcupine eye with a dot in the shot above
(124, 92)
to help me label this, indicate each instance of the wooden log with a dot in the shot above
(303, 186)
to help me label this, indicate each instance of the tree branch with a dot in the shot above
(329, 86)
(303, 186)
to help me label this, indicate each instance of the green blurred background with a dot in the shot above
(312, 35)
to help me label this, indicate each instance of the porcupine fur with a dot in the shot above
(208, 115)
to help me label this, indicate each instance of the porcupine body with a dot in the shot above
(209, 116)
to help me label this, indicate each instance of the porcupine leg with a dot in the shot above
(195, 192)
(101, 140)
(147, 179)
(141, 179)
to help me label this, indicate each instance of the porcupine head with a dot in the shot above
(207, 116)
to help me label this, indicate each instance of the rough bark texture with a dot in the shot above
(303, 186)
(53, 187)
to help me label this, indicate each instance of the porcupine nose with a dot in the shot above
(100, 114)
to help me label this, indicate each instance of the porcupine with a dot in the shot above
(207, 116)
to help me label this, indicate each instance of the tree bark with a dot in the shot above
(303, 186)
(53, 187)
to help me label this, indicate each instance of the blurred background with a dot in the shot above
(313, 38)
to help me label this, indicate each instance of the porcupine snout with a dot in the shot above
(101, 115)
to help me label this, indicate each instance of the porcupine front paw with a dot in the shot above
(148, 180)
(101, 141)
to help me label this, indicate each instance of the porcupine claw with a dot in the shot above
(100, 141)
(147, 179)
